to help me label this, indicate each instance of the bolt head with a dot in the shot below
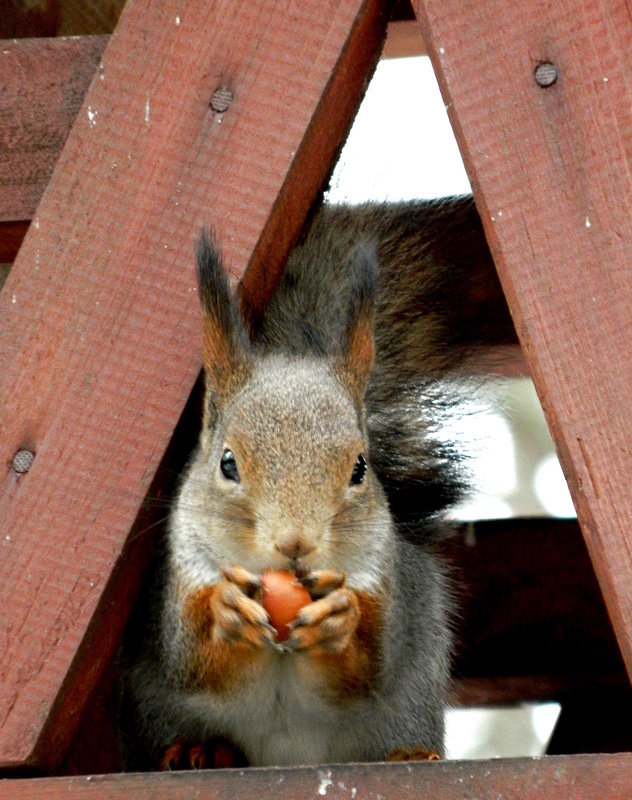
(22, 461)
(221, 100)
(545, 74)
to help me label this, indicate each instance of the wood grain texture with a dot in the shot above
(570, 777)
(551, 172)
(99, 336)
(42, 86)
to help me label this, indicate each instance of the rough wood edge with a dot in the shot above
(581, 777)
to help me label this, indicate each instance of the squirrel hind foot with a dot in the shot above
(414, 754)
(216, 753)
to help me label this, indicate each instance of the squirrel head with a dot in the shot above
(283, 472)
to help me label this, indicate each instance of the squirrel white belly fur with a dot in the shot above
(317, 456)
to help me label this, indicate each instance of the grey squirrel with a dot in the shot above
(317, 455)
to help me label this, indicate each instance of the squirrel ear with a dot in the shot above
(357, 356)
(225, 346)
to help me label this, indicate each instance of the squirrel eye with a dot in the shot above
(228, 466)
(359, 470)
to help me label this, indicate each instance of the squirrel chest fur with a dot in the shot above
(317, 429)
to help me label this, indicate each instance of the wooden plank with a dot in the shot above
(43, 83)
(403, 40)
(524, 615)
(570, 777)
(99, 337)
(550, 168)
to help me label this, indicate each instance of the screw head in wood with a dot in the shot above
(221, 100)
(545, 74)
(22, 461)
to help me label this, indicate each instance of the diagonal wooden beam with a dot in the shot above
(42, 86)
(99, 319)
(549, 152)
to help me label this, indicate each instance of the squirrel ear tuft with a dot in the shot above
(225, 346)
(357, 357)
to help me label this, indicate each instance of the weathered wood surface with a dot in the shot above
(99, 340)
(42, 86)
(551, 172)
(568, 777)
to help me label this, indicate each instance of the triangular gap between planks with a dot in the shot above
(99, 319)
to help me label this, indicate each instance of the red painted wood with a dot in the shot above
(11, 237)
(551, 171)
(43, 82)
(568, 777)
(99, 324)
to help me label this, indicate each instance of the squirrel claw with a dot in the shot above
(217, 753)
(320, 583)
(239, 617)
(327, 623)
(249, 583)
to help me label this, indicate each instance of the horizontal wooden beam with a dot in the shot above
(571, 777)
(530, 605)
(404, 40)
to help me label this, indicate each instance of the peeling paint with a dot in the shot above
(325, 782)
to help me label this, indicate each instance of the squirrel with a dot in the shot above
(318, 455)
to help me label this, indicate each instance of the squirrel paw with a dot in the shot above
(217, 753)
(236, 614)
(327, 623)
(321, 582)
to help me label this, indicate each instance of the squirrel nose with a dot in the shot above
(294, 548)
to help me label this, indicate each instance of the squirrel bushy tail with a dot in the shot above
(430, 314)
